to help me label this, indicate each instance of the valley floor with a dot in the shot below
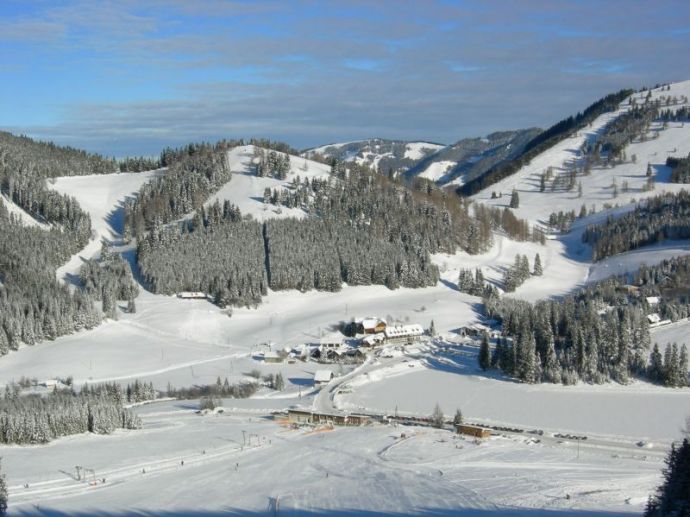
(248, 464)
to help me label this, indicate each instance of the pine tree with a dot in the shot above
(457, 419)
(484, 353)
(279, 382)
(432, 329)
(538, 270)
(673, 496)
(4, 496)
(655, 370)
(683, 366)
(514, 199)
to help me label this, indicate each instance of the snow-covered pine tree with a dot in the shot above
(4, 495)
(538, 270)
(514, 199)
(484, 357)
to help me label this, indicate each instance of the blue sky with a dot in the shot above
(132, 76)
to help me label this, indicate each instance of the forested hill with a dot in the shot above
(544, 141)
(361, 227)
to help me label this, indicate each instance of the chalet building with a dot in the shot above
(323, 377)
(370, 325)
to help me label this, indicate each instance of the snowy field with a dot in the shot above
(239, 463)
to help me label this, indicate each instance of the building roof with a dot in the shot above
(653, 300)
(323, 375)
(374, 338)
(654, 318)
(404, 330)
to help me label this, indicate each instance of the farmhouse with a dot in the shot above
(473, 430)
(403, 333)
(322, 377)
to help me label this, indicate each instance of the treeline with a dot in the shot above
(680, 169)
(139, 164)
(671, 369)
(220, 389)
(33, 419)
(34, 306)
(48, 160)
(666, 216)
(544, 141)
(194, 173)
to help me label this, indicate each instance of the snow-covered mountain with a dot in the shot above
(471, 157)
(378, 153)
(444, 164)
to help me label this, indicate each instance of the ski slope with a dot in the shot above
(103, 197)
(246, 190)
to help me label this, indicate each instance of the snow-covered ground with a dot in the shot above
(418, 150)
(242, 463)
(626, 413)
(437, 170)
